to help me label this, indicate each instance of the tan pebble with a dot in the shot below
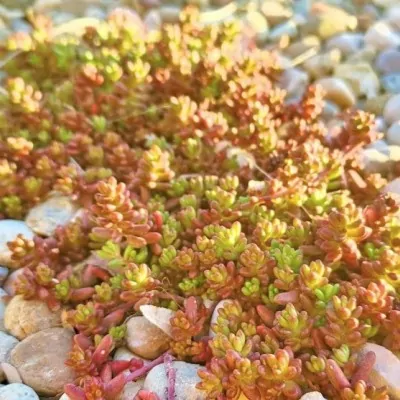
(361, 77)
(159, 316)
(145, 339)
(333, 21)
(26, 317)
(170, 13)
(131, 389)
(275, 12)
(367, 54)
(9, 230)
(55, 211)
(258, 24)
(322, 64)
(301, 46)
(40, 360)
(337, 91)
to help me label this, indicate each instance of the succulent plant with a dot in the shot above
(199, 182)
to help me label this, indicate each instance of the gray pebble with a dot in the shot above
(185, 384)
(391, 83)
(17, 391)
(3, 274)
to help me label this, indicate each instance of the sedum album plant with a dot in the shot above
(199, 182)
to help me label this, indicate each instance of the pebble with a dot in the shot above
(380, 124)
(391, 112)
(330, 110)
(9, 229)
(322, 64)
(9, 286)
(124, 354)
(367, 16)
(367, 54)
(288, 28)
(337, 91)
(361, 77)
(95, 12)
(170, 13)
(7, 343)
(393, 134)
(380, 145)
(44, 218)
(17, 391)
(386, 369)
(294, 81)
(40, 359)
(3, 293)
(61, 17)
(301, 46)
(215, 314)
(19, 25)
(258, 24)
(385, 3)
(393, 187)
(391, 83)
(375, 161)
(388, 61)
(275, 12)
(11, 373)
(393, 16)
(152, 20)
(131, 389)
(312, 396)
(185, 384)
(145, 339)
(376, 104)
(348, 43)
(3, 274)
(26, 317)
(198, 3)
(333, 20)
(10, 14)
(381, 36)
(159, 316)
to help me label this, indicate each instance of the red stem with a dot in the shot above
(171, 377)
(336, 375)
(364, 368)
(133, 376)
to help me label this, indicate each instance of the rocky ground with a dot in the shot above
(351, 49)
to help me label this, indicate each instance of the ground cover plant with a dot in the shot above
(198, 182)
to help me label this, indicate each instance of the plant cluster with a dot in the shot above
(199, 182)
